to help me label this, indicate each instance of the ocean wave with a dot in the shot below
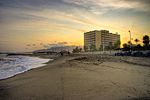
(12, 65)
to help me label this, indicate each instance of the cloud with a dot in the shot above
(102, 6)
(28, 45)
(41, 44)
(52, 20)
(56, 44)
(62, 43)
(33, 44)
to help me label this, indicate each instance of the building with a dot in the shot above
(100, 39)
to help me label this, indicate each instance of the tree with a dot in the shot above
(117, 44)
(110, 46)
(92, 48)
(101, 48)
(77, 50)
(80, 49)
(146, 41)
(129, 43)
(139, 47)
(85, 48)
(126, 47)
(137, 40)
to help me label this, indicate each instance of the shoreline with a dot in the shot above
(56, 57)
(53, 57)
(44, 64)
(78, 77)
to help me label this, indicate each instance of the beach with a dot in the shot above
(82, 77)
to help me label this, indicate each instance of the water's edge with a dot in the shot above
(27, 64)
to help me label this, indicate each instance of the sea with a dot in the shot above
(16, 64)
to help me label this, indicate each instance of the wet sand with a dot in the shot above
(82, 77)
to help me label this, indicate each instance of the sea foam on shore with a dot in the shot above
(12, 65)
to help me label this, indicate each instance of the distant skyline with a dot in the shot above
(27, 25)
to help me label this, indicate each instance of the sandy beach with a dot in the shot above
(82, 77)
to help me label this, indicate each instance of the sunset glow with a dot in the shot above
(27, 25)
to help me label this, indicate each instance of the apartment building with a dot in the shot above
(100, 39)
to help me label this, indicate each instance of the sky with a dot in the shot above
(27, 25)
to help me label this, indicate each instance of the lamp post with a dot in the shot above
(130, 41)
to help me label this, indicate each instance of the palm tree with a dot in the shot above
(129, 43)
(126, 47)
(146, 42)
(137, 40)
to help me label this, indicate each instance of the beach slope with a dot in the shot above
(80, 77)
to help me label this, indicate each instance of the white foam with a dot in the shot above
(12, 65)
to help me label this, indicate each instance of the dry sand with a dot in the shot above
(82, 77)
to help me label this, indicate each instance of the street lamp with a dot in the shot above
(130, 41)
